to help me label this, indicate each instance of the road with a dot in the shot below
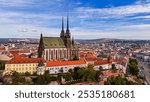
(145, 70)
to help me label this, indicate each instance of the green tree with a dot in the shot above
(2, 66)
(70, 71)
(27, 74)
(119, 80)
(66, 76)
(18, 79)
(75, 73)
(43, 79)
(75, 57)
(87, 74)
(40, 80)
(114, 69)
(133, 67)
(99, 74)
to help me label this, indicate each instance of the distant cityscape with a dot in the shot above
(106, 60)
(64, 61)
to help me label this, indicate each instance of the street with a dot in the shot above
(144, 68)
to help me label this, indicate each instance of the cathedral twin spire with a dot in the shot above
(63, 34)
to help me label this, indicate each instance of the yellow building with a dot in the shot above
(22, 65)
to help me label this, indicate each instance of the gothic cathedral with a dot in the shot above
(58, 48)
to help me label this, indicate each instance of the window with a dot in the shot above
(56, 54)
(46, 55)
(52, 54)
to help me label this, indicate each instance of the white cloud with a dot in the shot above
(20, 3)
(139, 27)
(15, 2)
(26, 31)
(86, 34)
(114, 12)
(142, 1)
(13, 17)
(10, 14)
(26, 24)
(143, 17)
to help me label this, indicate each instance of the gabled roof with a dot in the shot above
(53, 42)
(62, 63)
(101, 62)
(2, 49)
(4, 57)
(21, 60)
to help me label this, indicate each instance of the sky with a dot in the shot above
(89, 19)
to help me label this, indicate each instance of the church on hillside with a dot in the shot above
(58, 48)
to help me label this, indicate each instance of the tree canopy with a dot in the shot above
(133, 67)
(119, 80)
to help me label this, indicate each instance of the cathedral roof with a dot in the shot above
(53, 42)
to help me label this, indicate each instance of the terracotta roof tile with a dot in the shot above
(19, 59)
(101, 62)
(62, 63)
(2, 49)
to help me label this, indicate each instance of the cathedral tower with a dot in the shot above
(67, 39)
(62, 34)
(41, 47)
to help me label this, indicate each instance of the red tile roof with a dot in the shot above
(86, 55)
(19, 60)
(14, 52)
(2, 49)
(24, 51)
(93, 59)
(62, 63)
(19, 51)
(101, 62)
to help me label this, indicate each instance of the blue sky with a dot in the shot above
(89, 19)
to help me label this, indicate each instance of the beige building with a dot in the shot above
(22, 65)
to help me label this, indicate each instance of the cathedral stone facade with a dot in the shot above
(58, 48)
